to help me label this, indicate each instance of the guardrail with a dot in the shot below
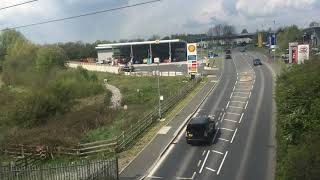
(113, 145)
(101, 169)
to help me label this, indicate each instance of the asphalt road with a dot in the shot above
(243, 148)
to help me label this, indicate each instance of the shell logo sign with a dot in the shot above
(191, 48)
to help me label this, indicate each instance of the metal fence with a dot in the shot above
(86, 170)
(117, 144)
(135, 130)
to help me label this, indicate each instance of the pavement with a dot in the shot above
(152, 153)
(244, 146)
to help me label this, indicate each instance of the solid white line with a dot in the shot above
(199, 162)
(218, 152)
(234, 134)
(215, 135)
(204, 152)
(211, 169)
(224, 139)
(231, 95)
(161, 160)
(249, 95)
(227, 129)
(246, 105)
(234, 113)
(222, 163)
(204, 162)
(228, 104)
(241, 118)
(194, 174)
(236, 107)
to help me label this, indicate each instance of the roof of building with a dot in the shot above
(109, 46)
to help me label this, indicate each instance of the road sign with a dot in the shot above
(273, 41)
(192, 58)
(260, 39)
(303, 53)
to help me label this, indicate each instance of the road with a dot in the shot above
(243, 148)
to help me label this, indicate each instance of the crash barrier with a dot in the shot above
(89, 170)
(95, 67)
(154, 73)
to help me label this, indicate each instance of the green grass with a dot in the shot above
(140, 94)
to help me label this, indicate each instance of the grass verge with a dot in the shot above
(128, 155)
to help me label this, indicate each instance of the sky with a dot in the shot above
(161, 18)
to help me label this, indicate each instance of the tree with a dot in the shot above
(49, 57)
(288, 34)
(228, 30)
(216, 30)
(244, 31)
(154, 37)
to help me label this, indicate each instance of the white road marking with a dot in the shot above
(218, 152)
(236, 107)
(231, 95)
(234, 87)
(222, 163)
(164, 130)
(155, 177)
(211, 169)
(246, 105)
(224, 139)
(234, 113)
(227, 129)
(237, 82)
(251, 87)
(160, 162)
(215, 135)
(231, 120)
(194, 173)
(204, 162)
(243, 97)
(238, 102)
(241, 92)
(204, 152)
(241, 118)
(234, 134)
(199, 162)
(228, 104)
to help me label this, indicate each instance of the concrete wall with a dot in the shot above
(95, 67)
(104, 54)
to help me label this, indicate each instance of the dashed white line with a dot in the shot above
(204, 162)
(222, 163)
(231, 95)
(204, 152)
(155, 177)
(218, 152)
(241, 118)
(249, 95)
(241, 92)
(227, 129)
(234, 87)
(224, 139)
(230, 120)
(238, 102)
(246, 105)
(236, 107)
(199, 162)
(228, 104)
(240, 97)
(234, 134)
(211, 169)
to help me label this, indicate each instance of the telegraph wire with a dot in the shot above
(15, 5)
(82, 15)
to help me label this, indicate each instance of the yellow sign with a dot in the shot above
(260, 39)
(191, 48)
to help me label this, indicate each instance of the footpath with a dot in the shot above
(138, 168)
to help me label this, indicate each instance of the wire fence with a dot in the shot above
(86, 170)
(30, 155)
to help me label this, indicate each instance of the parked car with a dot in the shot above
(201, 129)
(257, 62)
(127, 68)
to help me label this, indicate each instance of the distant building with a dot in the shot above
(312, 35)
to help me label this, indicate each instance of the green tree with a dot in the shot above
(244, 31)
(49, 57)
(288, 34)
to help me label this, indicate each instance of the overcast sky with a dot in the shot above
(161, 18)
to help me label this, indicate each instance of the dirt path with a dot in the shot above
(116, 96)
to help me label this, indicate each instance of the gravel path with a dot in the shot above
(116, 96)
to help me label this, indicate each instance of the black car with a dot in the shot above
(200, 129)
(228, 51)
(228, 56)
(257, 62)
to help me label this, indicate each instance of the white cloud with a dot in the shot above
(264, 8)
